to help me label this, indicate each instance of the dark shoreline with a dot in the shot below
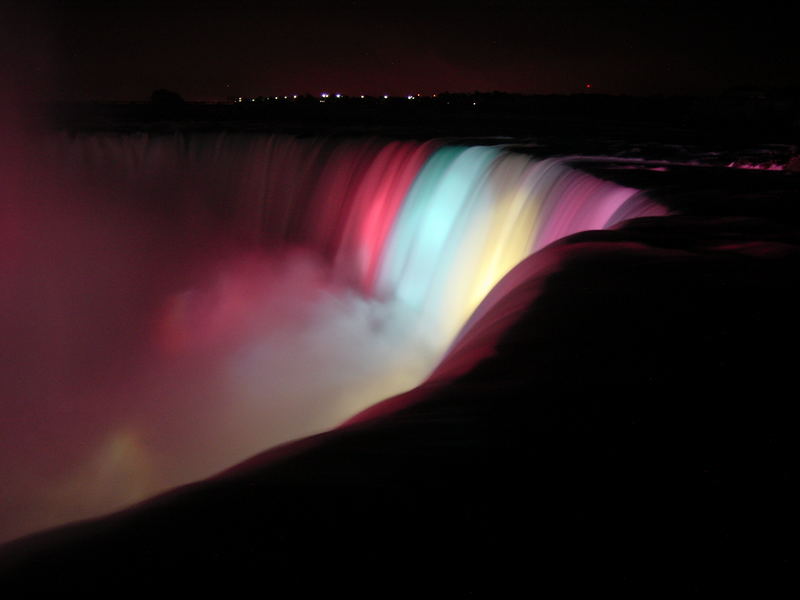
(733, 118)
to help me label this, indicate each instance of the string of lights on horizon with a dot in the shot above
(326, 95)
(322, 97)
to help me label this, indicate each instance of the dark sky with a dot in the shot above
(208, 50)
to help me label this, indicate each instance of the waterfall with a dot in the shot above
(432, 226)
(176, 304)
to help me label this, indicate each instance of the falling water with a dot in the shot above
(176, 304)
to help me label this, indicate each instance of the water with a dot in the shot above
(177, 304)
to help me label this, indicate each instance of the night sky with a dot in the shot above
(210, 50)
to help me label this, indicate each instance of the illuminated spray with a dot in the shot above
(255, 289)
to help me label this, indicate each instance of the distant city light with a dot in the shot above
(324, 94)
(295, 96)
(410, 97)
(362, 95)
(240, 98)
(385, 96)
(588, 85)
(338, 95)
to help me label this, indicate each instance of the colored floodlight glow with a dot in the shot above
(324, 94)
(338, 95)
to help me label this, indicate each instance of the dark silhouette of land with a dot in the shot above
(742, 114)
